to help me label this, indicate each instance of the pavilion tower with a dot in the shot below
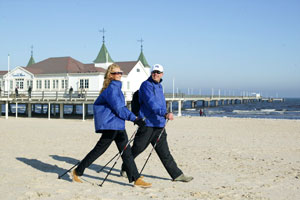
(103, 59)
(31, 60)
(142, 57)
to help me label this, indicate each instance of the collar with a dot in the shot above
(153, 81)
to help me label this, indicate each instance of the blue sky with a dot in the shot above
(231, 45)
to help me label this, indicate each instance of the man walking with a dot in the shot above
(29, 91)
(153, 109)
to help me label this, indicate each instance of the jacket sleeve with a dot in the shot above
(116, 101)
(148, 98)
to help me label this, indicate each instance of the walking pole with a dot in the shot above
(68, 170)
(154, 147)
(120, 154)
(107, 163)
(131, 139)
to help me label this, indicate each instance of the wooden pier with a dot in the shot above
(56, 99)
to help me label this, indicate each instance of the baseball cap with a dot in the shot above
(157, 67)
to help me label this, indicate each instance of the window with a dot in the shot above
(11, 84)
(66, 84)
(29, 83)
(138, 70)
(47, 84)
(38, 84)
(55, 84)
(128, 85)
(20, 83)
(83, 83)
(86, 83)
(63, 84)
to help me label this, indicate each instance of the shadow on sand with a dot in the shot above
(98, 167)
(45, 167)
(48, 168)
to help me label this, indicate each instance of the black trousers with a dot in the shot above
(145, 136)
(108, 136)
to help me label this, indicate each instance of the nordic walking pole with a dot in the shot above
(68, 170)
(107, 163)
(120, 154)
(131, 139)
(154, 146)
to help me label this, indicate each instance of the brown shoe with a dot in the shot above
(140, 183)
(75, 177)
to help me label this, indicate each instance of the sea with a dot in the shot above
(289, 109)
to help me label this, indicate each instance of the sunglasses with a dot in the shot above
(115, 73)
(156, 72)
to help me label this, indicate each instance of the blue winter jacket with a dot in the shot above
(109, 108)
(153, 103)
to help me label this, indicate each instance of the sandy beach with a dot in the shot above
(229, 158)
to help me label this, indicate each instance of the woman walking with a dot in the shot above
(110, 114)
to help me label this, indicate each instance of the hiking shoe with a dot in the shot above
(184, 178)
(75, 177)
(123, 174)
(141, 183)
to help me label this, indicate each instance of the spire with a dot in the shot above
(31, 60)
(142, 57)
(102, 31)
(103, 55)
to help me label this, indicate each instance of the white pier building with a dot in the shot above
(59, 74)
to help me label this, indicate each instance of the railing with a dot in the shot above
(94, 94)
(58, 95)
(182, 95)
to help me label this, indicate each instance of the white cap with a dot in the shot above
(157, 67)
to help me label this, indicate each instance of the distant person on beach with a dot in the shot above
(17, 91)
(153, 109)
(71, 92)
(110, 114)
(29, 91)
(202, 113)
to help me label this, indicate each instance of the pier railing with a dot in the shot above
(92, 95)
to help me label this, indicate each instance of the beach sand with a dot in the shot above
(229, 158)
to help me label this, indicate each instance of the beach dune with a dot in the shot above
(229, 158)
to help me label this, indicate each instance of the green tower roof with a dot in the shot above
(31, 61)
(143, 59)
(103, 56)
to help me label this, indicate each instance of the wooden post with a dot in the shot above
(61, 110)
(6, 110)
(29, 109)
(83, 111)
(49, 110)
(179, 108)
(16, 109)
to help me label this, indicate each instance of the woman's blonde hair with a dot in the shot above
(107, 78)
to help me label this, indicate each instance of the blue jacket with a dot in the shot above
(153, 103)
(109, 108)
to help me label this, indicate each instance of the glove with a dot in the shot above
(139, 122)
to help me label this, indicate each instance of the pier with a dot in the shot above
(54, 100)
